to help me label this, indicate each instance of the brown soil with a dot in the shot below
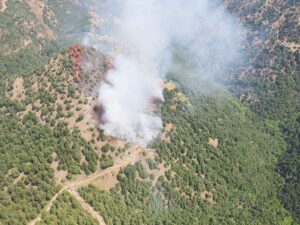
(160, 171)
(60, 175)
(27, 42)
(18, 92)
(106, 182)
(2, 5)
(294, 47)
(208, 196)
(165, 134)
(37, 7)
(35, 86)
(213, 142)
(170, 86)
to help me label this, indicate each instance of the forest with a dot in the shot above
(233, 183)
(272, 88)
(228, 157)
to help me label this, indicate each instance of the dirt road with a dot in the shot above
(72, 186)
(88, 208)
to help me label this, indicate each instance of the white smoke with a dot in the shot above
(125, 99)
(152, 30)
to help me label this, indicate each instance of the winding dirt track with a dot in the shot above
(46, 208)
(72, 186)
(87, 207)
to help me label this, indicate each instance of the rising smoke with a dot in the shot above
(151, 32)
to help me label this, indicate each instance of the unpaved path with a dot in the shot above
(87, 207)
(72, 186)
(46, 209)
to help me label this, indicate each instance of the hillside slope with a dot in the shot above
(224, 157)
(32, 31)
(269, 83)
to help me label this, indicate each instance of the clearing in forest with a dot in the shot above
(18, 91)
(3, 5)
(213, 142)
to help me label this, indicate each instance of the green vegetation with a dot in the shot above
(234, 183)
(30, 147)
(26, 151)
(289, 168)
(106, 148)
(21, 26)
(272, 86)
(26, 177)
(106, 161)
(28, 42)
(72, 23)
(67, 211)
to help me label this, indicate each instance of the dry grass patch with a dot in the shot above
(37, 7)
(170, 86)
(18, 92)
(165, 134)
(213, 142)
(107, 182)
(292, 46)
(208, 196)
(3, 5)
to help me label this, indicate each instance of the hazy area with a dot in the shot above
(144, 36)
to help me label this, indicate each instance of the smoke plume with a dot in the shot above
(149, 33)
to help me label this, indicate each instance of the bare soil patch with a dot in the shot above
(37, 7)
(169, 85)
(294, 47)
(3, 5)
(59, 175)
(18, 91)
(165, 134)
(107, 182)
(213, 142)
(160, 171)
(208, 196)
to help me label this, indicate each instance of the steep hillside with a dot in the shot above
(223, 157)
(270, 81)
(32, 31)
(50, 140)
(208, 157)
(221, 161)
